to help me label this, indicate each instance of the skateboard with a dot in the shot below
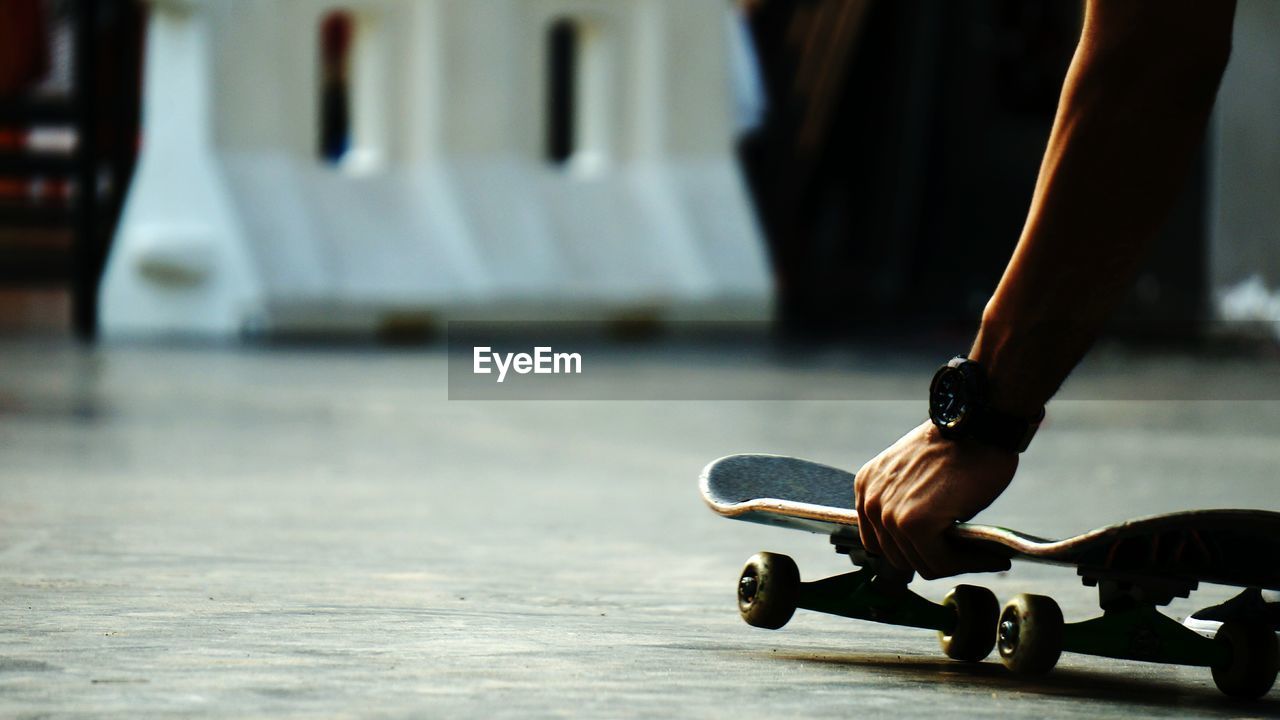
(1138, 566)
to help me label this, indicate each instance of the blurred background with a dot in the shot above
(230, 497)
(839, 166)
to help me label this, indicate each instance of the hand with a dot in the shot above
(909, 495)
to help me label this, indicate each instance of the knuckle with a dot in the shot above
(912, 521)
(872, 499)
(903, 520)
(890, 521)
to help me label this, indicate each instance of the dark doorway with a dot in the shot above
(562, 73)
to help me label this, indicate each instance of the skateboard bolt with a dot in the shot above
(747, 588)
(1008, 635)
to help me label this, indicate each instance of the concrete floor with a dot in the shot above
(197, 532)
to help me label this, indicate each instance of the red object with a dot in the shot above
(36, 191)
(24, 45)
(12, 139)
(335, 35)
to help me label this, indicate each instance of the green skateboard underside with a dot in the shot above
(1226, 547)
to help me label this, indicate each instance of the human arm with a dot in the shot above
(1132, 112)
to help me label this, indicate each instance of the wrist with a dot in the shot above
(934, 436)
(1003, 350)
(960, 406)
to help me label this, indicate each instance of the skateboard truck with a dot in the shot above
(1119, 590)
(770, 591)
(1131, 628)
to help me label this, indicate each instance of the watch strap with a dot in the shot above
(1003, 430)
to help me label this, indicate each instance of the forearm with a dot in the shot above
(1132, 113)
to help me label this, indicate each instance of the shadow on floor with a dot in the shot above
(1099, 685)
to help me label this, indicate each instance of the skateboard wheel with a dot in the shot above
(1029, 634)
(768, 590)
(1252, 661)
(974, 634)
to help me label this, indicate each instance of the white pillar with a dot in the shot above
(179, 263)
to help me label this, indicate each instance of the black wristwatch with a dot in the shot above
(959, 405)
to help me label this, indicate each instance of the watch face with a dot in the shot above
(949, 398)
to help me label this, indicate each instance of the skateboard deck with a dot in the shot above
(1137, 565)
(1227, 547)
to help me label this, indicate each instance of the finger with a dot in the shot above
(909, 540)
(944, 561)
(866, 533)
(947, 558)
(889, 548)
(875, 539)
(908, 532)
(893, 553)
(918, 561)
